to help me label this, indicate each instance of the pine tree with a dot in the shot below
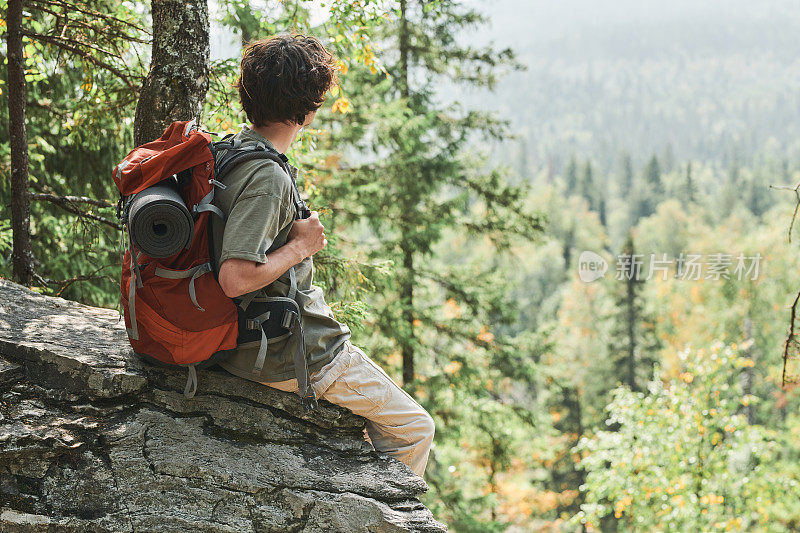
(669, 158)
(22, 256)
(653, 190)
(626, 182)
(571, 175)
(586, 186)
(569, 244)
(633, 342)
(422, 185)
(757, 194)
(689, 188)
(628, 191)
(72, 78)
(731, 193)
(652, 177)
(602, 210)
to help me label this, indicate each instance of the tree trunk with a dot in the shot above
(631, 304)
(407, 280)
(407, 299)
(21, 257)
(176, 85)
(403, 46)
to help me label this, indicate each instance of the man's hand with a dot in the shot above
(307, 235)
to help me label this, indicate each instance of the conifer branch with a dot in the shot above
(118, 34)
(67, 204)
(66, 283)
(65, 44)
(71, 199)
(77, 8)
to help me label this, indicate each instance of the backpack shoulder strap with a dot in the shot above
(237, 152)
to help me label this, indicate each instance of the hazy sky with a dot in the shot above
(515, 22)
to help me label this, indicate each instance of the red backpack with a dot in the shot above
(175, 310)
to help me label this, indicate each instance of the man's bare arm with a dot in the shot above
(240, 276)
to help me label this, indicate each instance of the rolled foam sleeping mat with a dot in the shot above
(159, 222)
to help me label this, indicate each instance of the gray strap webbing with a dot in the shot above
(292, 284)
(194, 273)
(200, 271)
(121, 167)
(248, 298)
(208, 207)
(291, 287)
(255, 323)
(133, 331)
(189, 125)
(135, 281)
(191, 383)
(305, 390)
(262, 353)
(205, 205)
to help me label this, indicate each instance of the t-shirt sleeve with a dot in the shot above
(261, 210)
(252, 225)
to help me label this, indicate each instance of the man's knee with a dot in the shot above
(425, 426)
(417, 429)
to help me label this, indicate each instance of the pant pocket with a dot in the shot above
(364, 390)
(392, 383)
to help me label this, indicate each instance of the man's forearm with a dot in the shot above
(240, 276)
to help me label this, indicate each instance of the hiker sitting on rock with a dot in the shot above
(282, 83)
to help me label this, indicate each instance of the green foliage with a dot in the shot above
(689, 189)
(83, 66)
(572, 173)
(682, 457)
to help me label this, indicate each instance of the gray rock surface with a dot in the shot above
(92, 439)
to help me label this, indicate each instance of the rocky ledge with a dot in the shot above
(92, 439)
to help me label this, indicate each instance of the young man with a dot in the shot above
(282, 83)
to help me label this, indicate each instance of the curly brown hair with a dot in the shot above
(285, 77)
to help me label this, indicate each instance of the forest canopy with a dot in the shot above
(570, 257)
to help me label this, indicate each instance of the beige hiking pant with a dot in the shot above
(396, 423)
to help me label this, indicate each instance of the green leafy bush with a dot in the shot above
(683, 457)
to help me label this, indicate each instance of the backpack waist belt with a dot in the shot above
(277, 317)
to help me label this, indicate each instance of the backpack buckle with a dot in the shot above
(255, 323)
(289, 318)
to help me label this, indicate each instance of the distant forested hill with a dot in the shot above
(708, 82)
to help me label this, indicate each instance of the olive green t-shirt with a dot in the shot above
(258, 203)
